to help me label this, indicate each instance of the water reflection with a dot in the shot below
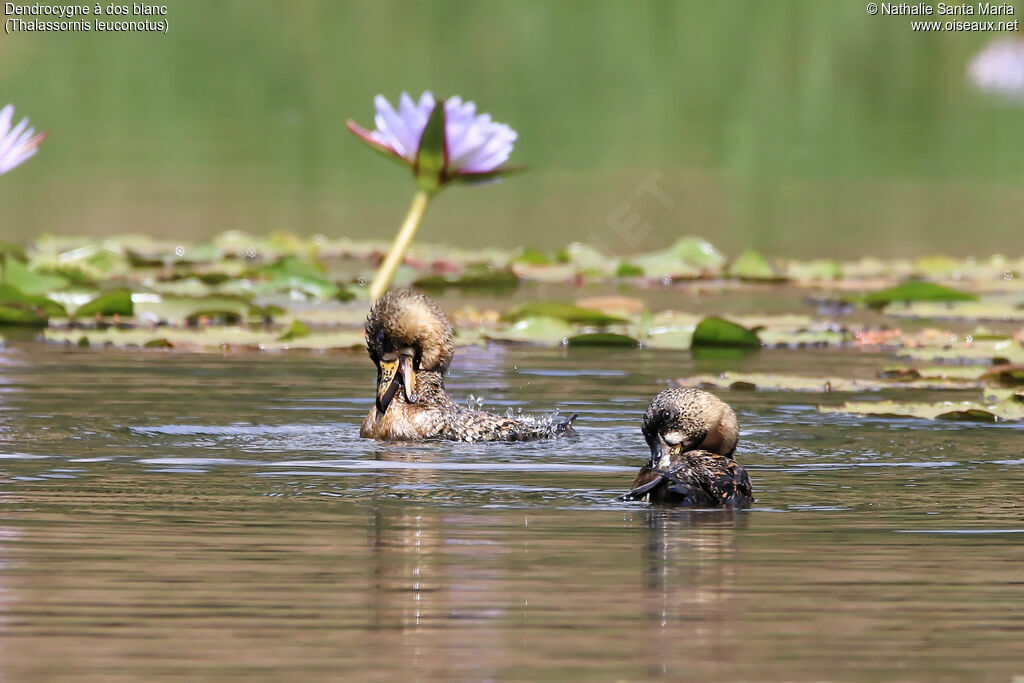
(689, 586)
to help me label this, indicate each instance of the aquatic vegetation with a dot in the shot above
(1007, 410)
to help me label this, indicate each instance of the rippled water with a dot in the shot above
(174, 515)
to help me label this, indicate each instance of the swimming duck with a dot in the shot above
(411, 343)
(692, 435)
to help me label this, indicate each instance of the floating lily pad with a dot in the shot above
(993, 352)
(1008, 375)
(12, 297)
(478, 276)
(533, 257)
(698, 252)
(669, 337)
(603, 339)
(719, 332)
(297, 330)
(998, 311)
(972, 411)
(536, 330)
(753, 266)
(291, 273)
(815, 270)
(114, 302)
(18, 274)
(906, 373)
(662, 265)
(208, 339)
(757, 381)
(916, 290)
(566, 312)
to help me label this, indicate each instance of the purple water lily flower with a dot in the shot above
(16, 145)
(443, 142)
(474, 145)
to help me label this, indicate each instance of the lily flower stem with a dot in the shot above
(410, 225)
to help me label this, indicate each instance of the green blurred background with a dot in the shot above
(798, 127)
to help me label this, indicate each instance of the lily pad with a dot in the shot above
(603, 339)
(291, 273)
(719, 332)
(758, 381)
(566, 312)
(297, 330)
(114, 302)
(1007, 375)
(12, 297)
(997, 311)
(536, 330)
(753, 266)
(478, 276)
(698, 252)
(17, 273)
(208, 339)
(916, 290)
(972, 411)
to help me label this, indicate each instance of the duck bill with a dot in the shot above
(394, 375)
(659, 452)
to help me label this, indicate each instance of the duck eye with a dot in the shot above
(664, 415)
(380, 338)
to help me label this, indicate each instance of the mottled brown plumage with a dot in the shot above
(411, 343)
(692, 436)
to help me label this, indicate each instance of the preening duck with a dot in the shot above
(410, 341)
(692, 435)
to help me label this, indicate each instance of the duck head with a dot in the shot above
(683, 419)
(406, 333)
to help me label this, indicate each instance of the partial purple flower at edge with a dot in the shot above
(19, 144)
(475, 146)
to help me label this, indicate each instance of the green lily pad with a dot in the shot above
(536, 330)
(662, 265)
(698, 252)
(628, 270)
(752, 266)
(291, 273)
(532, 257)
(759, 381)
(566, 312)
(906, 373)
(114, 302)
(669, 337)
(985, 352)
(719, 332)
(179, 310)
(603, 339)
(916, 290)
(972, 411)
(12, 297)
(208, 339)
(297, 330)
(17, 273)
(1008, 375)
(477, 276)
(997, 311)
(16, 315)
(815, 270)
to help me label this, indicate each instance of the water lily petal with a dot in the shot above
(393, 130)
(5, 120)
(18, 144)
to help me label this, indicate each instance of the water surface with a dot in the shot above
(170, 514)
